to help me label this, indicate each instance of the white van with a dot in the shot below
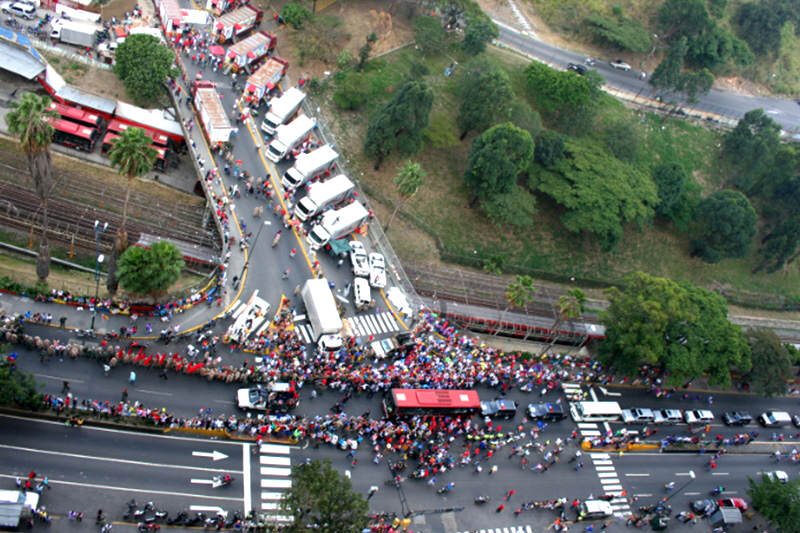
(19, 9)
(595, 411)
(361, 293)
(595, 510)
(775, 419)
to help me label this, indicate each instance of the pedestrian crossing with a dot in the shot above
(258, 327)
(612, 486)
(275, 467)
(358, 326)
(509, 529)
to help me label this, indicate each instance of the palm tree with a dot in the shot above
(408, 183)
(569, 307)
(133, 157)
(29, 120)
(518, 293)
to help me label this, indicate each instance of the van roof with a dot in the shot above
(598, 506)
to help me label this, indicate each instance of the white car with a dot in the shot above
(778, 475)
(620, 65)
(698, 416)
(377, 270)
(358, 258)
(19, 9)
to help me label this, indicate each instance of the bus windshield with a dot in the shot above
(440, 402)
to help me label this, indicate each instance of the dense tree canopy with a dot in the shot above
(322, 500)
(760, 23)
(486, 94)
(569, 100)
(778, 502)
(673, 325)
(550, 148)
(429, 34)
(150, 271)
(144, 64)
(477, 35)
(671, 180)
(669, 75)
(725, 226)
(514, 208)
(750, 148)
(772, 364)
(17, 389)
(600, 193)
(496, 159)
(400, 123)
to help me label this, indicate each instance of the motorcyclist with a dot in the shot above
(226, 479)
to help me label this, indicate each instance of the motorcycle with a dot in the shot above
(480, 500)
(447, 488)
(85, 333)
(716, 491)
(222, 480)
(196, 520)
(178, 519)
(143, 526)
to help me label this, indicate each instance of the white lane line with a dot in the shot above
(682, 474)
(720, 474)
(638, 475)
(272, 471)
(56, 378)
(113, 460)
(685, 494)
(276, 483)
(131, 489)
(248, 495)
(277, 461)
(647, 495)
(276, 448)
(605, 468)
(157, 393)
(593, 394)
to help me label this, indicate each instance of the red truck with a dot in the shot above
(249, 51)
(265, 78)
(236, 23)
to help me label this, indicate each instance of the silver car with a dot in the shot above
(620, 65)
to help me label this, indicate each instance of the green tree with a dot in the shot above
(428, 34)
(296, 14)
(780, 246)
(683, 18)
(772, 364)
(408, 182)
(144, 64)
(671, 180)
(550, 148)
(725, 226)
(759, 24)
(522, 115)
(400, 123)
(477, 35)
(568, 100)
(619, 32)
(321, 499)
(28, 120)
(677, 327)
(750, 149)
(150, 271)
(570, 306)
(495, 160)
(623, 137)
(133, 157)
(778, 502)
(514, 208)
(600, 194)
(486, 95)
(18, 389)
(670, 76)
(352, 91)
(518, 294)
(365, 50)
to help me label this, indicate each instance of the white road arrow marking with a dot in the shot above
(215, 455)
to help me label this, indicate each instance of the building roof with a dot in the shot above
(152, 118)
(88, 100)
(17, 55)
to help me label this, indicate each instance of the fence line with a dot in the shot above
(72, 56)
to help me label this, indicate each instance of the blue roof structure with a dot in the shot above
(18, 55)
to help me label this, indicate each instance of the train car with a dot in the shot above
(74, 114)
(74, 135)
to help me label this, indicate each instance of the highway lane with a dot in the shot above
(784, 111)
(105, 468)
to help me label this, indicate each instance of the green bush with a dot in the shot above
(441, 132)
(345, 59)
(295, 15)
(352, 91)
(620, 32)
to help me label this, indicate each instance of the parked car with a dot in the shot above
(575, 67)
(777, 475)
(620, 65)
(698, 416)
(506, 409)
(704, 507)
(358, 258)
(796, 421)
(737, 418)
(733, 502)
(550, 412)
(637, 416)
(667, 417)
(377, 270)
(774, 419)
(19, 9)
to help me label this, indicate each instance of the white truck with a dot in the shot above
(309, 165)
(337, 223)
(83, 34)
(289, 136)
(323, 314)
(322, 194)
(282, 109)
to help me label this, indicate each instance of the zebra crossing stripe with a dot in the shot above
(590, 433)
(306, 336)
(508, 529)
(266, 496)
(373, 320)
(275, 461)
(572, 386)
(392, 322)
(274, 471)
(385, 318)
(587, 425)
(276, 483)
(264, 326)
(366, 327)
(281, 449)
(270, 506)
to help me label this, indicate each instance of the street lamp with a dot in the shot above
(98, 229)
(250, 254)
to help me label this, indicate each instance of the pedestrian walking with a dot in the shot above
(285, 274)
(292, 252)
(132, 378)
(499, 508)
(493, 470)
(508, 495)
(65, 387)
(124, 395)
(62, 321)
(163, 373)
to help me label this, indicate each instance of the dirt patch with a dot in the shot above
(741, 86)
(118, 8)
(91, 79)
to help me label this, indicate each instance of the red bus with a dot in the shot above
(161, 159)
(80, 116)
(117, 127)
(74, 135)
(438, 402)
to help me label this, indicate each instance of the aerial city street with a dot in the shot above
(251, 347)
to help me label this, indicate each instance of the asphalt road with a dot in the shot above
(94, 468)
(784, 111)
